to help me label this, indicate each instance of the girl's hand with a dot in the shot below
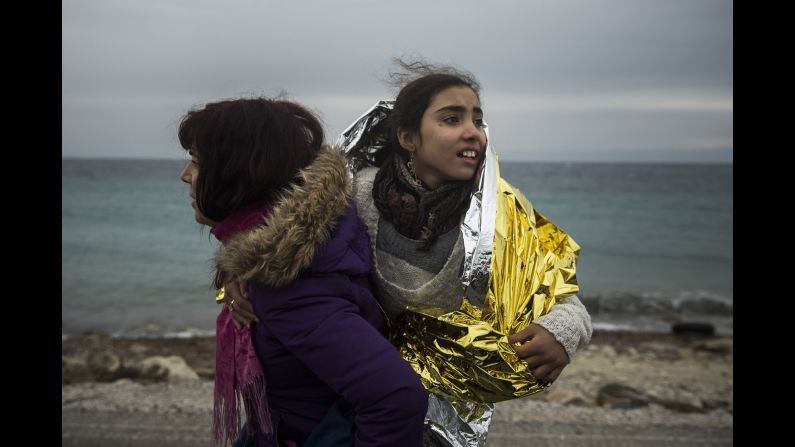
(543, 354)
(239, 305)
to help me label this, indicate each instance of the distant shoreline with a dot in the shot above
(610, 312)
(723, 325)
(199, 351)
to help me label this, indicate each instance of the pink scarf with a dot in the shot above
(238, 372)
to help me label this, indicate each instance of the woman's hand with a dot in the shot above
(543, 354)
(239, 305)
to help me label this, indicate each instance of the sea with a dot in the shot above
(656, 244)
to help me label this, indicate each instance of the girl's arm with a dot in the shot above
(549, 343)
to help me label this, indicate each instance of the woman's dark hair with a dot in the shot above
(421, 82)
(248, 150)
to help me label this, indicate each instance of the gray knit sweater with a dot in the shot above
(402, 280)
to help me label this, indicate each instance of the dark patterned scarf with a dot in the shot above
(415, 211)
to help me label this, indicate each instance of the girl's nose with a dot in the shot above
(184, 175)
(472, 131)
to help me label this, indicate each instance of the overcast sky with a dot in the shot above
(563, 80)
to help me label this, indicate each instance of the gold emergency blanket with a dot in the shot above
(465, 354)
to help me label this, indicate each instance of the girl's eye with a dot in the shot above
(480, 123)
(451, 119)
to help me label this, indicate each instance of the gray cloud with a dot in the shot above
(598, 80)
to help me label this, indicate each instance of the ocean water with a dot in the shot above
(657, 243)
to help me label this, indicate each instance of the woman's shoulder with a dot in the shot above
(364, 177)
(363, 181)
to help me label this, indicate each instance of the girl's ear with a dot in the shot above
(406, 139)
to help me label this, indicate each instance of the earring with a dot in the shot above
(410, 165)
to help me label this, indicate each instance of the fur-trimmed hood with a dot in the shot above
(302, 220)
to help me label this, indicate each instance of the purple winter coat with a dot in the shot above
(319, 336)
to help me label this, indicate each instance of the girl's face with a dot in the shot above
(189, 175)
(451, 140)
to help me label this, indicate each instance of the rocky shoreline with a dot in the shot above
(631, 381)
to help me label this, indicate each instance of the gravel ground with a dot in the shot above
(696, 377)
(179, 414)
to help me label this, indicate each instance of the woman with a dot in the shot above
(280, 203)
(424, 157)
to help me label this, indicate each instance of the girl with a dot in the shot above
(413, 198)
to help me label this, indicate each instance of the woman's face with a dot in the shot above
(189, 175)
(451, 140)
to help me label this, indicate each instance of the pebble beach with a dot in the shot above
(625, 388)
